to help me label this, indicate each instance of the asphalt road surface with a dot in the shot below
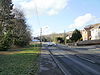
(81, 61)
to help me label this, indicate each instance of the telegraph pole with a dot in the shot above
(64, 37)
(41, 36)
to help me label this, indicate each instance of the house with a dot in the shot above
(95, 32)
(91, 32)
(86, 33)
(69, 35)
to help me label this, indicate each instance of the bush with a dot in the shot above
(60, 40)
(21, 43)
(5, 42)
(68, 41)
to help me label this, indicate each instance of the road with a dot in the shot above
(77, 61)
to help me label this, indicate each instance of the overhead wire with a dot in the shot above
(38, 20)
(37, 14)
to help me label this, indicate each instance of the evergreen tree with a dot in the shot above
(76, 35)
(6, 25)
(13, 27)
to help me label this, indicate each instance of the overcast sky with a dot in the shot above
(59, 15)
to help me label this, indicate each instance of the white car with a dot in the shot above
(50, 44)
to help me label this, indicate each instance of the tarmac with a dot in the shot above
(47, 64)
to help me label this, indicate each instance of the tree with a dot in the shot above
(6, 25)
(21, 32)
(76, 35)
(13, 27)
(60, 40)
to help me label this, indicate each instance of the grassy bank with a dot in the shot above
(22, 61)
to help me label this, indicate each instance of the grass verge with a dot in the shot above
(21, 62)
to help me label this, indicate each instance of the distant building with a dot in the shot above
(91, 32)
(36, 40)
(95, 32)
(69, 35)
(86, 33)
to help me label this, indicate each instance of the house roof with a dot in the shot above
(88, 27)
(95, 25)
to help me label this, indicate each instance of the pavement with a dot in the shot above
(47, 64)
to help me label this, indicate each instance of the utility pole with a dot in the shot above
(41, 30)
(41, 36)
(64, 37)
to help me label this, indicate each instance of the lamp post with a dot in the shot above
(41, 30)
